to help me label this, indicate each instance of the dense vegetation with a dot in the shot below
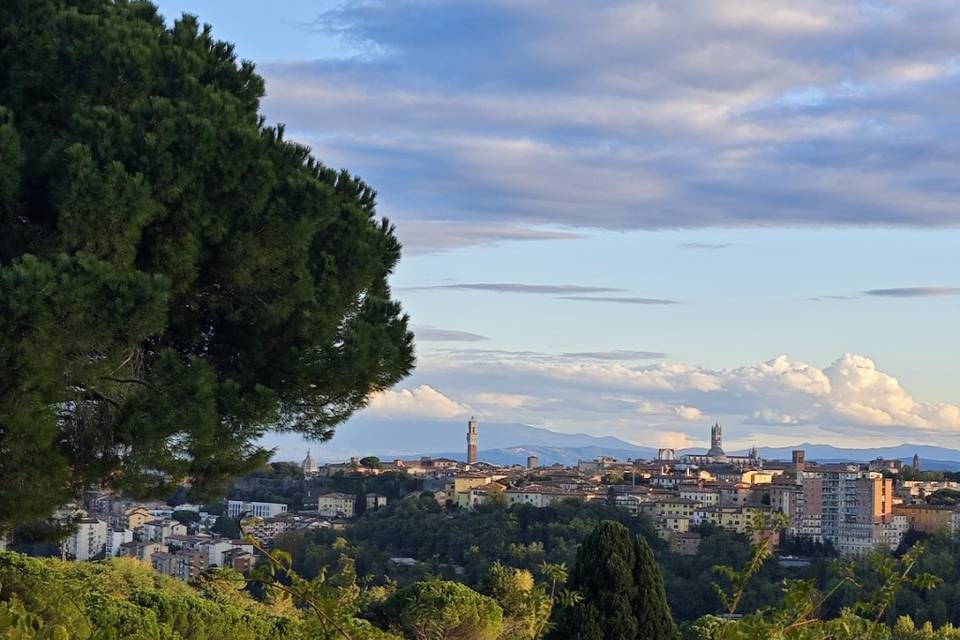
(464, 545)
(175, 277)
(614, 590)
(126, 599)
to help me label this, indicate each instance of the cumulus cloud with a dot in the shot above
(674, 440)
(530, 118)
(866, 396)
(851, 395)
(421, 402)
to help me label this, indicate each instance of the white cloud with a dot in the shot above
(674, 440)
(690, 414)
(866, 396)
(501, 400)
(783, 395)
(422, 402)
(772, 418)
(654, 408)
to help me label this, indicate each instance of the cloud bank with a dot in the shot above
(851, 397)
(421, 402)
(513, 119)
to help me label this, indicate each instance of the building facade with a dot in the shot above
(255, 509)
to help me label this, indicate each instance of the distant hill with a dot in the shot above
(394, 439)
(568, 456)
(929, 455)
(509, 443)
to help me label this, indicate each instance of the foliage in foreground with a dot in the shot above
(438, 609)
(126, 599)
(798, 617)
(175, 277)
(522, 537)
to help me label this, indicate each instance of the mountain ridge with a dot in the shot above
(509, 443)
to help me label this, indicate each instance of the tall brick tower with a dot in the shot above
(472, 438)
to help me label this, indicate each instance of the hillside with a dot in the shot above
(412, 438)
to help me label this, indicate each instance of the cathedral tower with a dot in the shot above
(716, 442)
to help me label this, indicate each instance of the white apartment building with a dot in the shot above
(160, 530)
(88, 540)
(706, 496)
(115, 538)
(216, 549)
(255, 509)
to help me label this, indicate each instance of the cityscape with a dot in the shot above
(479, 320)
(855, 508)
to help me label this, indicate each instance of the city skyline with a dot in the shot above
(639, 241)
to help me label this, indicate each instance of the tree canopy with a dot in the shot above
(176, 279)
(441, 610)
(620, 590)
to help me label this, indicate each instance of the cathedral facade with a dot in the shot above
(716, 454)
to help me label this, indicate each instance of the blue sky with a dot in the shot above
(636, 218)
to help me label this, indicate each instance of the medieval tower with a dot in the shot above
(472, 438)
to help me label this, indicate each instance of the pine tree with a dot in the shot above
(176, 279)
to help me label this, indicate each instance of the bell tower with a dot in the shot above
(716, 443)
(472, 440)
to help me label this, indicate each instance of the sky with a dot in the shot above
(639, 218)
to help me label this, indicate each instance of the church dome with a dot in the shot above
(309, 465)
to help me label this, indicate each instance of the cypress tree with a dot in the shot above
(650, 606)
(620, 591)
(603, 577)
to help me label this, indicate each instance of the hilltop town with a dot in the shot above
(853, 508)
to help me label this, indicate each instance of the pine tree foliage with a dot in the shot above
(176, 278)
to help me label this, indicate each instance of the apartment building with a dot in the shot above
(182, 564)
(88, 539)
(254, 509)
(115, 538)
(849, 507)
(930, 518)
(337, 505)
(707, 496)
